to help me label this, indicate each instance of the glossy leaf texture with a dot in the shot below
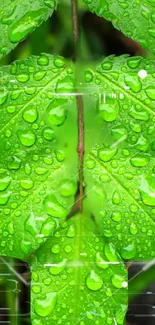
(19, 18)
(39, 182)
(78, 278)
(38, 161)
(120, 166)
(136, 19)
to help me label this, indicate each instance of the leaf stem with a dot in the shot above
(79, 105)
(75, 27)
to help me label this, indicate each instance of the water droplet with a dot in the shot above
(48, 160)
(110, 252)
(133, 83)
(30, 114)
(88, 76)
(116, 198)
(4, 183)
(93, 281)
(56, 113)
(101, 263)
(119, 134)
(71, 232)
(4, 198)
(43, 60)
(128, 252)
(105, 178)
(139, 115)
(48, 134)
(65, 85)
(59, 62)
(56, 269)
(48, 227)
(106, 154)
(27, 184)
(109, 110)
(44, 306)
(55, 249)
(116, 216)
(133, 229)
(30, 225)
(139, 161)
(90, 163)
(150, 91)
(39, 75)
(23, 77)
(147, 190)
(118, 281)
(26, 25)
(40, 170)
(60, 155)
(27, 138)
(14, 163)
(26, 247)
(67, 188)
(53, 207)
(3, 96)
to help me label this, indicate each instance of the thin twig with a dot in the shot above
(79, 105)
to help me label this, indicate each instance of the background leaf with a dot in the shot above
(130, 17)
(19, 18)
(120, 154)
(78, 278)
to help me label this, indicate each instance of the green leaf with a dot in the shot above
(120, 166)
(20, 18)
(75, 280)
(39, 176)
(38, 166)
(130, 17)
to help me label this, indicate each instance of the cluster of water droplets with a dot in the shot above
(34, 184)
(122, 162)
(94, 269)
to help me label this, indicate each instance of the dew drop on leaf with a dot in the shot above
(106, 154)
(128, 252)
(93, 281)
(26, 25)
(57, 268)
(30, 114)
(67, 188)
(101, 263)
(109, 110)
(48, 227)
(48, 134)
(27, 138)
(44, 306)
(4, 183)
(147, 190)
(53, 207)
(118, 281)
(56, 113)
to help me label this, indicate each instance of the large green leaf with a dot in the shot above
(78, 278)
(38, 165)
(19, 18)
(136, 19)
(120, 129)
(39, 182)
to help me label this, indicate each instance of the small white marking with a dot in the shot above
(142, 74)
(124, 284)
